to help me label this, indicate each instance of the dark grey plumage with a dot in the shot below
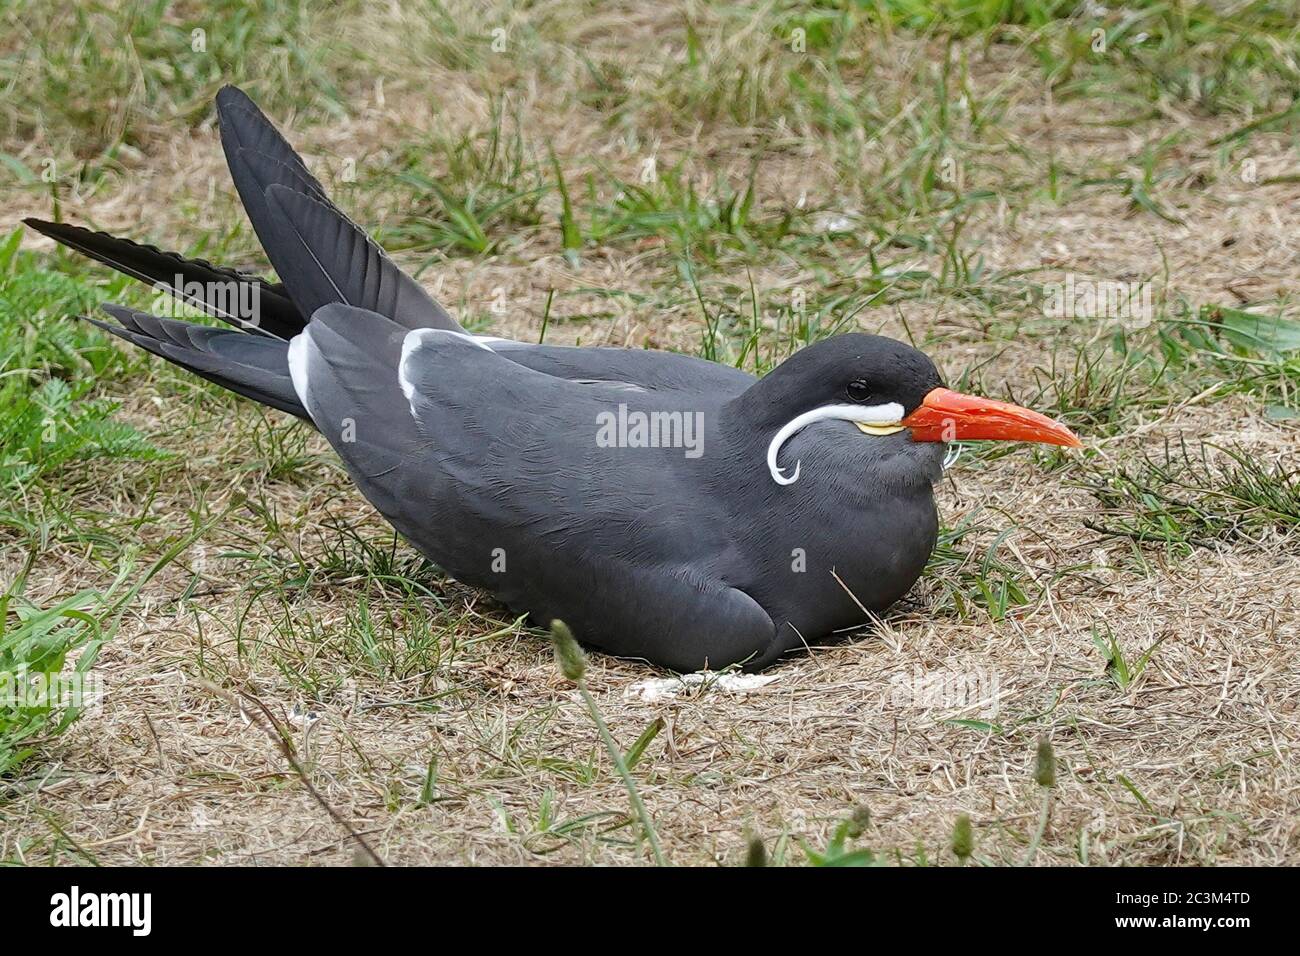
(278, 315)
(320, 254)
(254, 366)
(487, 454)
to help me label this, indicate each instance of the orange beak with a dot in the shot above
(951, 416)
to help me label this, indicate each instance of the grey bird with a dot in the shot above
(665, 507)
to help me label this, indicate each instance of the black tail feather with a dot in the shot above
(320, 254)
(256, 367)
(194, 281)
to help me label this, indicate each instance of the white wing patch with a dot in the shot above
(418, 339)
(609, 383)
(298, 350)
(890, 413)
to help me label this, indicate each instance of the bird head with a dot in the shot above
(886, 387)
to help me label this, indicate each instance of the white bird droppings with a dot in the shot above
(661, 688)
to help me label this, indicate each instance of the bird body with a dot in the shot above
(664, 507)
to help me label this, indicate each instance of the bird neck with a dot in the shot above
(764, 406)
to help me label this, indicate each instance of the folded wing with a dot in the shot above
(497, 474)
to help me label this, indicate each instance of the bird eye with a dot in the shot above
(859, 391)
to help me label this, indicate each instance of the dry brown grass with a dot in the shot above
(1193, 762)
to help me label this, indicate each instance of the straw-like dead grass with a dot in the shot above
(481, 753)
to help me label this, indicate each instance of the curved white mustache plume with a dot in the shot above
(891, 413)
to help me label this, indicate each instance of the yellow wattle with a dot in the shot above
(878, 429)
